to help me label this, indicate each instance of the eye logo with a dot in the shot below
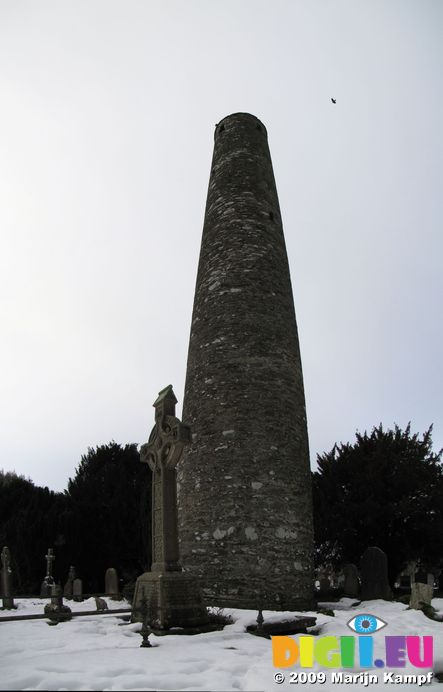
(366, 624)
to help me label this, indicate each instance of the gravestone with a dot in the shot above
(111, 582)
(351, 585)
(67, 591)
(173, 597)
(374, 575)
(422, 589)
(77, 590)
(56, 610)
(7, 599)
(48, 581)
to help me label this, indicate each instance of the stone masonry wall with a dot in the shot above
(244, 494)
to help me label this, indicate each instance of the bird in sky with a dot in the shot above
(333, 100)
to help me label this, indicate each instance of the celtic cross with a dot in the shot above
(162, 452)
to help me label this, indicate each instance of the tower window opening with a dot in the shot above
(221, 128)
(271, 215)
(259, 127)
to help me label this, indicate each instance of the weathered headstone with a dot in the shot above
(422, 589)
(77, 590)
(48, 581)
(111, 582)
(374, 575)
(351, 585)
(55, 610)
(67, 591)
(7, 599)
(173, 597)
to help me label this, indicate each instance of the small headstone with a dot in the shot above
(374, 575)
(351, 585)
(68, 588)
(111, 582)
(421, 595)
(77, 590)
(6, 581)
(422, 589)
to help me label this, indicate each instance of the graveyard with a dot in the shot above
(168, 637)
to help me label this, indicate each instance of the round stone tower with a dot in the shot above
(244, 493)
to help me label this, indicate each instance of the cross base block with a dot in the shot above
(173, 601)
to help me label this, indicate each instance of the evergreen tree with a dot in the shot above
(28, 526)
(109, 515)
(384, 490)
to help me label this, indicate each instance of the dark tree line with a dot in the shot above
(102, 520)
(386, 489)
(29, 524)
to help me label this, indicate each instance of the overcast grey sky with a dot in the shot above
(107, 114)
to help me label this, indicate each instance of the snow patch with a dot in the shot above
(102, 652)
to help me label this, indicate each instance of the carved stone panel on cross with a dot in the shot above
(162, 452)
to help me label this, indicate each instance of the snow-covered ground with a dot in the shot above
(99, 652)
